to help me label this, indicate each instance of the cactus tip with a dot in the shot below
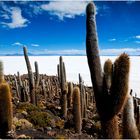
(91, 9)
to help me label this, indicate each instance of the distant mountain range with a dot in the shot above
(31, 54)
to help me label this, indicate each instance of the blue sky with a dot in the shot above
(59, 27)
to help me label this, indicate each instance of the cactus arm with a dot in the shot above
(119, 89)
(129, 125)
(93, 52)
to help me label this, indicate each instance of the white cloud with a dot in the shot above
(17, 44)
(138, 36)
(17, 20)
(130, 51)
(112, 39)
(130, 1)
(60, 52)
(35, 45)
(114, 51)
(65, 9)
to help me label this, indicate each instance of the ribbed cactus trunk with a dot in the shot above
(30, 76)
(111, 87)
(93, 53)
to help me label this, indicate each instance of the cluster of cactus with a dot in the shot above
(6, 113)
(111, 86)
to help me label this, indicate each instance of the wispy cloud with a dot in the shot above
(138, 42)
(130, 1)
(115, 51)
(35, 45)
(17, 20)
(17, 44)
(138, 36)
(102, 10)
(60, 52)
(65, 9)
(112, 39)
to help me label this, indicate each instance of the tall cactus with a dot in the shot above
(77, 110)
(36, 74)
(129, 125)
(37, 79)
(30, 76)
(1, 72)
(5, 106)
(63, 85)
(109, 103)
(81, 87)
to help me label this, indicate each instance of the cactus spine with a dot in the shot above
(30, 76)
(5, 106)
(77, 110)
(108, 105)
(129, 125)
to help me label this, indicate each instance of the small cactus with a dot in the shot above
(77, 110)
(108, 68)
(37, 75)
(17, 87)
(138, 117)
(135, 104)
(70, 94)
(129, 125)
